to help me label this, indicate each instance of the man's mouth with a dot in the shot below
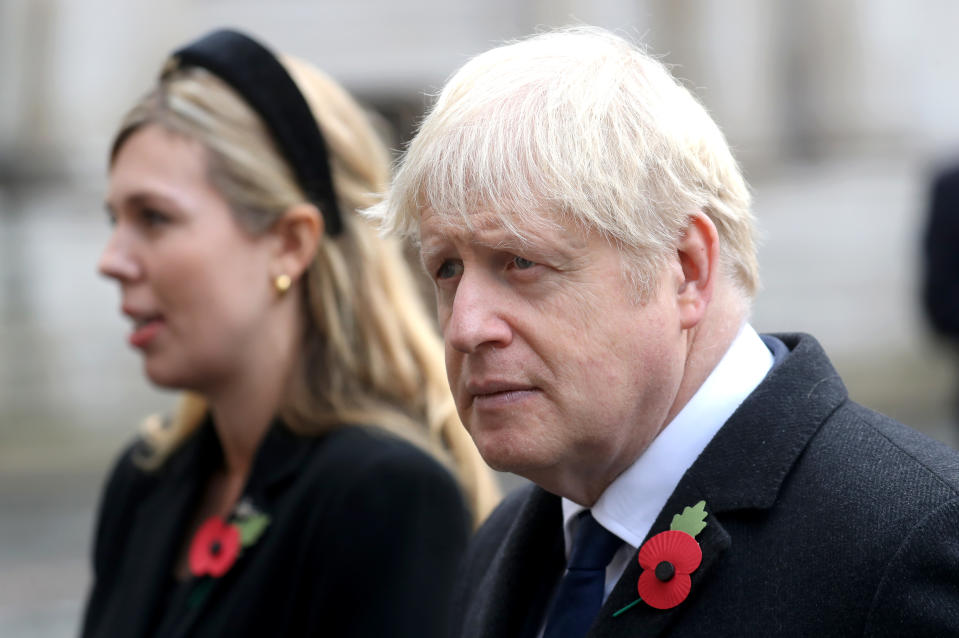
(497, 393)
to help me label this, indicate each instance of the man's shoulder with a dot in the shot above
(808, 483)
(853, 434)
(901, 459)
(801, 415)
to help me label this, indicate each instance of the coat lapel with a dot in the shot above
(713, 540)
(514, 590)
(742, 468)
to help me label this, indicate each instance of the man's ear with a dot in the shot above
(698, 252)
(298, 234)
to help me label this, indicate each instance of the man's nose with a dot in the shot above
(478, 315)
(117, 260)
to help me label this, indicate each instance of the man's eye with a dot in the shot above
(449, 269)
(522, 264)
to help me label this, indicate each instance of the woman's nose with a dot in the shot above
(117, 261)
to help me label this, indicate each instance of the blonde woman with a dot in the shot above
(312, 480)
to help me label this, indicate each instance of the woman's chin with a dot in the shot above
(166, 378)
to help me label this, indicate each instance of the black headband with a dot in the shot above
(256, 74)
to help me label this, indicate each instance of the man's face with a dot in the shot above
(558, 371)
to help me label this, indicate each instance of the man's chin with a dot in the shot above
(505, 454)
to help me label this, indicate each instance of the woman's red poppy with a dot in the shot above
(214, 548)
(667, 559)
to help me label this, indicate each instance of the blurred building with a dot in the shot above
(786, 79)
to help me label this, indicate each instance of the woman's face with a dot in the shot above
(196, 286)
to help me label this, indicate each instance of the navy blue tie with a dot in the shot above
(580, 592)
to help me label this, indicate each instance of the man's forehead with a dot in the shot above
(496, 229)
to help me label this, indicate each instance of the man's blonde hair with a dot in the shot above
(576, 126)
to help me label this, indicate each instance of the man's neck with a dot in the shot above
(707, 344)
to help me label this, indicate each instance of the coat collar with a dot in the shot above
(277, 458)
(743, 467)
(765, 436)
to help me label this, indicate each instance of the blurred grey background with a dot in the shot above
(838, 109)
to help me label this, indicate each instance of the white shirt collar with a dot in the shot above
(631, 503)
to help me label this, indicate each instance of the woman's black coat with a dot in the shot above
(364, 537)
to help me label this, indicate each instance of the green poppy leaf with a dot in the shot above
(692, 520)
(252, 528)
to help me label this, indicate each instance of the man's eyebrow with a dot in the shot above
(509, 242)
(427, 252)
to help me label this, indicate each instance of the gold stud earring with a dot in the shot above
(282, 283)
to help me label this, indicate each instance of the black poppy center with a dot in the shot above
(665, 571)
(215, 548)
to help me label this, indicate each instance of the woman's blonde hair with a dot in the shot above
(576, 125)
(371, 355)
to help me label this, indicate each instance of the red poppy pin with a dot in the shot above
(668, 559)
(214, 548)
(217, 543)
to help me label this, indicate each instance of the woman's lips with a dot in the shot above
(145, 331)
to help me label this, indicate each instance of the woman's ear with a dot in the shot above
(298, 233)
(698, 251)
